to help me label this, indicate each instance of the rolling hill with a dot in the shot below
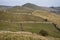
(30, 18)
(35, 7)
(2, 7)
(12, 22)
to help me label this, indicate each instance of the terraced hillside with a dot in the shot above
(30, 27)
(26, 22)
(45, 12)
(20, 18)
(49, 16)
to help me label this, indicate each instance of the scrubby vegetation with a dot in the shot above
(43, 33)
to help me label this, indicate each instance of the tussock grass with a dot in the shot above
(4, 35)
(21, 35)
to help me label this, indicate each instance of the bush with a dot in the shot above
(46, 20)
(43, 33)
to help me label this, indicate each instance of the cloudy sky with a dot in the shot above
(37, 2)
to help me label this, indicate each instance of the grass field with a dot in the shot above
(30, 27)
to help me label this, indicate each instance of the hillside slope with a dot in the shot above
(12, 22)
(19, 17)
(49, 16)
(30, 18)
(20, 9)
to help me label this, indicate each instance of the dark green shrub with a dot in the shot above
(43, 33)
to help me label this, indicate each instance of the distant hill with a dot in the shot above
(28, 7)
(35, 7)
(2, 7)
(56, 8)
(32, 6)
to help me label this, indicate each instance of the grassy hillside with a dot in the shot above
(49, 16)
(10, 20)
(30, 27)
(19, 17)
(20, 9)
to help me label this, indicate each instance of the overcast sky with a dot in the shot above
(37, 2)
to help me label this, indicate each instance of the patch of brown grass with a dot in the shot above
(8, 35)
